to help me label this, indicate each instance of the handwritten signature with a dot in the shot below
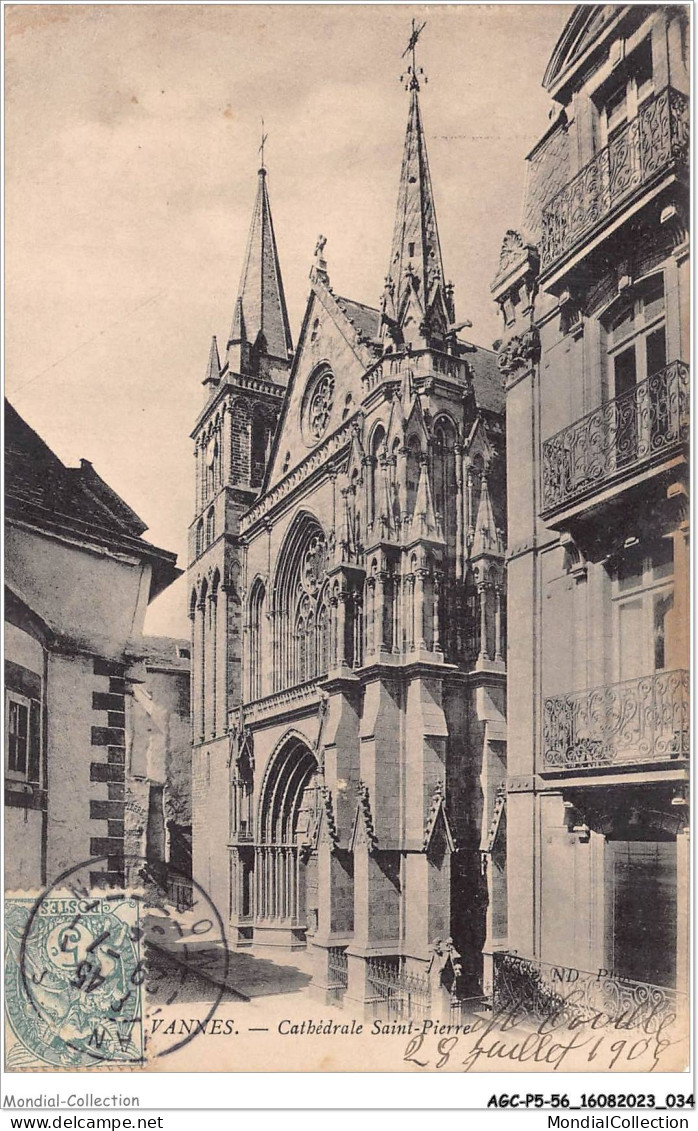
(506, 1036)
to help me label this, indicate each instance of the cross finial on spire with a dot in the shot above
(411, 76)
(261, 149)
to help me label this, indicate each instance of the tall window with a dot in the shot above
(17, 721)
(302, 623)
(210, 527)
(644, 600)
(258, 449)
(414, 464)
(257, 600)
(636, 336)
(375, 501)
(212, 465)
(640, 884)
(623, 96)
(445, 501)
(199, 537)
(636, 343)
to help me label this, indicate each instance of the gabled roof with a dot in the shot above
(581, 31)
(260, 316)
(42, 492)
(341, 323)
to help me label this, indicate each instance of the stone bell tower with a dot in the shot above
(232, 439)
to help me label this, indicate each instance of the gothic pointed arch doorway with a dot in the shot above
(286, 859)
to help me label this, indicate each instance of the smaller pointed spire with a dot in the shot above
(487, 540)
(213, 369)
(238, 331)
(424, 521)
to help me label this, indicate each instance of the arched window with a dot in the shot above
(200, 537)
(396, 500)
(298, 673)
(212, 636)
(375, 499)
(212, 454)
(204, 670)
(302, 623)
(414, 464)
(257, 611)
(210, 527)
(323, 634)
(445, 480)
(259, 438)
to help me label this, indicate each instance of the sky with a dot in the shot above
(132, 137)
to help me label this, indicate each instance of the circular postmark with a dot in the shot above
(94, 973)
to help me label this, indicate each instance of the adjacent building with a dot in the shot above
(78, 579)
(347, 598)
(594, 294)
(158, 794)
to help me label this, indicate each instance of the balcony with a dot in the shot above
(647, 147)
(618, 725)
(646, 425)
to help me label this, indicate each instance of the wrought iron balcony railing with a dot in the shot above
(646, 423)
(639, 720)
(529, 990)
(646, 146)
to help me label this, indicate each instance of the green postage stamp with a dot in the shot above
(74, 978)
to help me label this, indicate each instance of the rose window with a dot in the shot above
(320, 405)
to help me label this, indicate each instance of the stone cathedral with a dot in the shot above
(346, 594)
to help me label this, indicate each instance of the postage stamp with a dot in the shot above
(94, 978)
(74, 975)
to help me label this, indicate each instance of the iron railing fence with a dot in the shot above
(647, 422)
(647, 145)
(397, 995)
(180, 892)
(337, 974)
(638, 720)
(530, 991)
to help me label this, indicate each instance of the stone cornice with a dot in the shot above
(238, 383)
(314, 464)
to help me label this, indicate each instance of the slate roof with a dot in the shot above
(165, 652)
(365, 318)
(487, 379)
(42, 492)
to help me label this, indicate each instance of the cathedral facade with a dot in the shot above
(346, 589)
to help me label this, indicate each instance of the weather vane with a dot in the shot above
(411, 76)
(261, 148)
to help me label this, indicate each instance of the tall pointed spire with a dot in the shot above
(260, 320)
(417, 303)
